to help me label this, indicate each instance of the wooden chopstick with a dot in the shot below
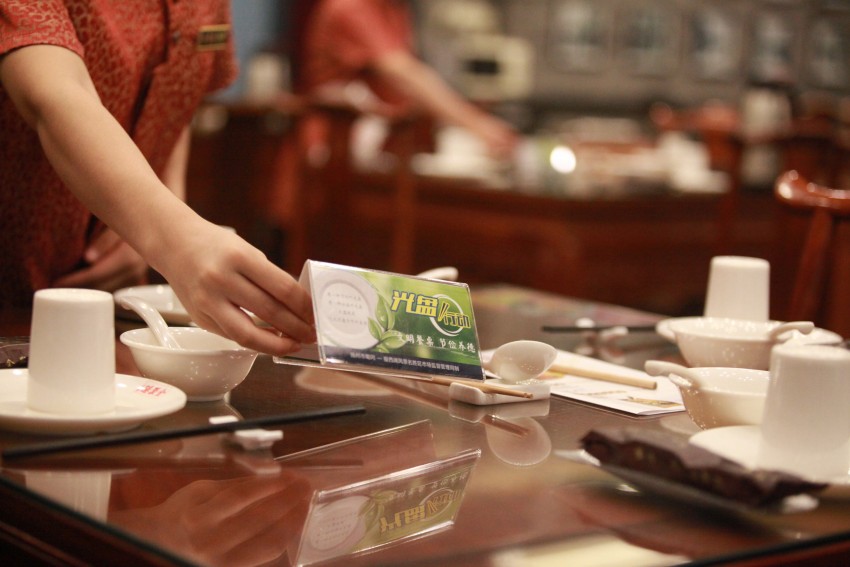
(97, 441)
(483, 386)
(637, 381)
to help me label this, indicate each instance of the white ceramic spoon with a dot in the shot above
(680, 375)
(151, 316)
(519, 361)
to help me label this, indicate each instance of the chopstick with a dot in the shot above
(97, 441)
(637, 381)
(483, 386)
(579, 329)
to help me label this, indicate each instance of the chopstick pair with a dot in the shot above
(99, 441)
(637, 381)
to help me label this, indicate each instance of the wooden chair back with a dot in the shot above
(827, 207)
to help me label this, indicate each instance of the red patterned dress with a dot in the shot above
(344, 38)
(152, 62)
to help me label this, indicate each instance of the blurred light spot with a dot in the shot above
(562, 159)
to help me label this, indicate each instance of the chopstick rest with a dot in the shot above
(505, 394)
(98, 441)
(250, 439)
(487, 387)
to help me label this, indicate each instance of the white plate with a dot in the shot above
(817, 337)
(346, 303)
(160, 297)
(136, 400)
(740, 443)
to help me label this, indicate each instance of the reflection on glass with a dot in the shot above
(386, 510)
(252, 509)
(513, 435)
(86, 492)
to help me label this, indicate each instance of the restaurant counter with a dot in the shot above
(513, 499)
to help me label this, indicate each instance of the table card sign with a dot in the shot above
(389, 509)
(390, 323)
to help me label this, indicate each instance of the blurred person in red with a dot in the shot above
(362, 52)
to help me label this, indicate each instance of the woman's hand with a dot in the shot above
(218, 277)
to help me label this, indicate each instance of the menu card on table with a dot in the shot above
(377, 321)
(665, 398)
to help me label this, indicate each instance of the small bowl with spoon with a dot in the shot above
(204, 365)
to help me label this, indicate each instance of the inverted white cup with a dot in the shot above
(72, 352)
(738, 287)
(806, 424)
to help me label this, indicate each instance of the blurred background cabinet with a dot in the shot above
(580, 76)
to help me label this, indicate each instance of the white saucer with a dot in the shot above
(740, 443)
(161, 298)
(818, 336)
(136, 400)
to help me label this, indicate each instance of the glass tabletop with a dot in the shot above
(416, 479)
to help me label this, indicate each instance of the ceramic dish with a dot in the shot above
(205, 367)
(816, 337)
(136, 400)
(720, 341)
(717, 397)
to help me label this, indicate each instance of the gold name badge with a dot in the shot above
(213, 38)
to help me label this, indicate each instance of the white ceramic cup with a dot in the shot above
(72, 352)
(806, 424)
(738, 287)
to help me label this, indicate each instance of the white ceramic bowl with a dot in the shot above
(724, 342)
(717, 396)
(206, 368)
(729, 396)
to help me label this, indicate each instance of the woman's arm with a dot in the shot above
(423, 85)
(174, 175)
(213, 272)
(111, 263)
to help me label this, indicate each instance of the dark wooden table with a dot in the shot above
(204, 501)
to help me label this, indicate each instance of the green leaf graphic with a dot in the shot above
(393, 340)
(375, 329)
(383, 314)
